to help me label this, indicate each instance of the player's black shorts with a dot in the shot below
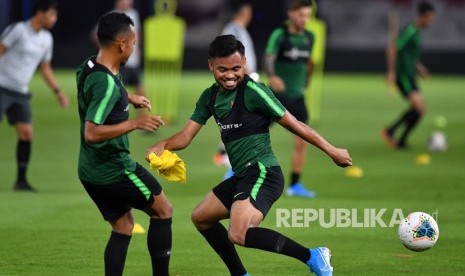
(407, 85)
(116, 199)
(130, 75)
(15, 105)
(262, 185)
(295, 106)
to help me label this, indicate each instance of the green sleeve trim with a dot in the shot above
(139, 184)
(276, 108)
(258, 184)
(104, 103)
(405, 36)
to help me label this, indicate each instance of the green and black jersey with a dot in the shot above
(243, 117)
(102, 100)
(292, 52)
(408, 46)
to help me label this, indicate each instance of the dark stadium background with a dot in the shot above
(205, 18)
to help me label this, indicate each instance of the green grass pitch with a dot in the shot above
(59, 231)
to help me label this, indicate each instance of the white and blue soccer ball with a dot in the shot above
(437, 142)
(418, 231)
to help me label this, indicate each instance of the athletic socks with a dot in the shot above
(411, 121)
(410, 118)
(392, 129)
(23, 153)
(115, 254)
(217, 237)
(159, 244)
(272, 241)
(294, 178)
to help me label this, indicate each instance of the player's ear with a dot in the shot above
(210, 64)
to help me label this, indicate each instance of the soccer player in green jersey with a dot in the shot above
(243, 109)
(112, 179)
(288, 65)
(403, 64)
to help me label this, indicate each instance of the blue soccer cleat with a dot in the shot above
(299, 190)
(319, 262)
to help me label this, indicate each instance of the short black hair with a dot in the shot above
(237, 6)
(424, 7)
(112, 24)
(297, 4)
(43, 6)
(225, 45)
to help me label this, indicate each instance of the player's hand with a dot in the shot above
(423, 72)
(62, 99)
(148, 122)
(140, 102)
(277, 84)
(341, 157)
(157, 149)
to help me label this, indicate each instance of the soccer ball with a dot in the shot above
(418, 231)
(437, 141)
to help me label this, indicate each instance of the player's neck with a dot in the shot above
(35, 24)
(294, 30)
(106, 58)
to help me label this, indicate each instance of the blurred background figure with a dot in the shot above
(242, 17)
(403, 66)
(24, 47)
(288, 65)
(131, 72)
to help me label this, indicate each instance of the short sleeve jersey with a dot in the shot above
(258, 99)
(26, 49)
(293, 52)
(408, 46)
(102, 100)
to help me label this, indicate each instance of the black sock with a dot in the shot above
(115, 254)
(23, 152)
(399, 122)
(217, 237)
(272, 241)
(159, 243)
(294, 178)
(412, 120)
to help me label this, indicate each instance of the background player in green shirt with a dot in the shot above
(288, 66)
(403, 64)
(112, 179)
(242, 110)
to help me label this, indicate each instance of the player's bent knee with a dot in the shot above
(198, 220)
(123, 226)
(165, 212)
(236, 236)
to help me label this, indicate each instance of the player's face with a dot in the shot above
(428, 18)
(228, 71)
(299, 17)
(127, 45)
(49, 18)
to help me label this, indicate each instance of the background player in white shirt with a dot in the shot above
(24, 47)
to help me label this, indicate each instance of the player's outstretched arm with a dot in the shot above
(49, 77)
(94, 133)
(178, 141)
(391, 53)
(340, 156)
